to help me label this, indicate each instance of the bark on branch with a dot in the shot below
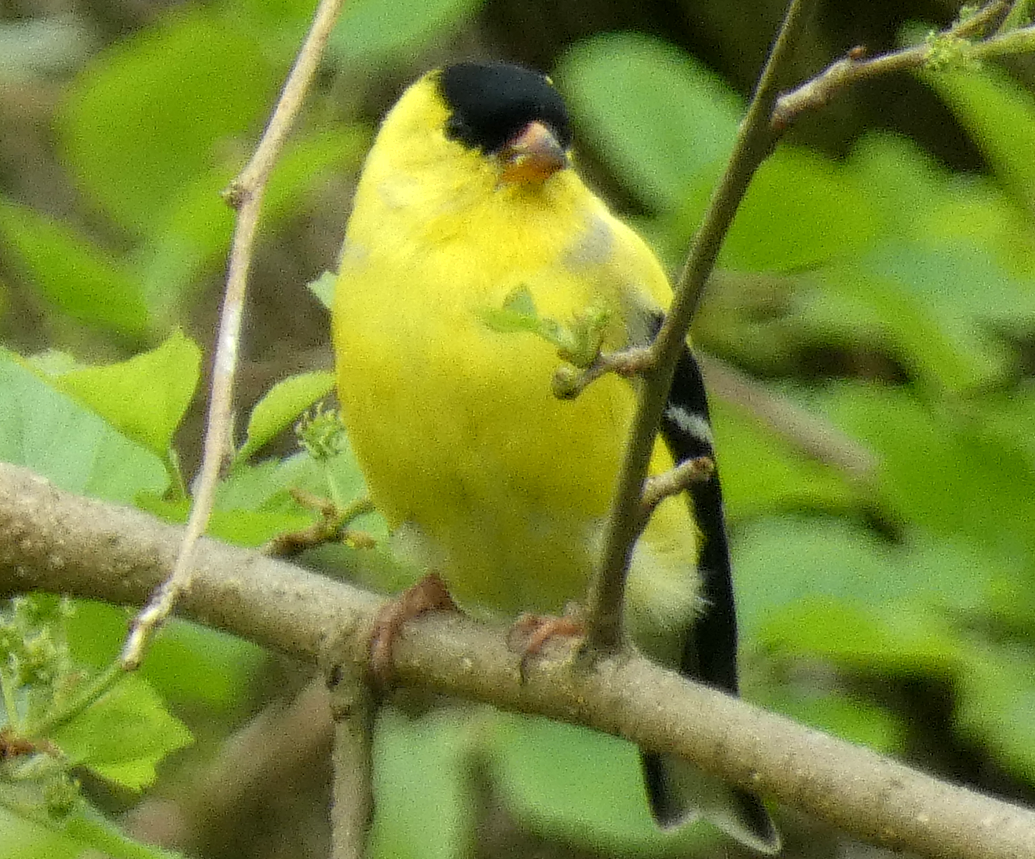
(54, 541)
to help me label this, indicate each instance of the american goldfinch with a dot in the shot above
(467, 199)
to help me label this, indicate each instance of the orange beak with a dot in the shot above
(533, 156)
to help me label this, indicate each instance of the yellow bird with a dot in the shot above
(468, 198)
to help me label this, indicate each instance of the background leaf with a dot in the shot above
(128, 757)
(143, 121)
(145, 397)
(281, 407)
(662, 119)
(47, 431)
(81, 279)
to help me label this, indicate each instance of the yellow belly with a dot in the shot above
(457, 430)
(460, 434)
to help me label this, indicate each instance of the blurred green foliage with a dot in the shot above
(883, 294)
(44, 691)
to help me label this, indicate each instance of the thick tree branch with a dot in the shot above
(54, 541)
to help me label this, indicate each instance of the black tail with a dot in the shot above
(676, 790)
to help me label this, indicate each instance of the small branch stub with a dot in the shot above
(235, 195)
(569, 381)
(675, 480)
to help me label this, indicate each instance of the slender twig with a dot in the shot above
(807, 433)
(1019, 15)
(855, 67)
(354, 707)
(755, 139)
(245, 194)
(569, 381)
(980, 22)
(331, 527)
(674, 481)
(767, 118)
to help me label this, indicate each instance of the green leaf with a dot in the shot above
(323, 288)
(824, 588)
(662, 120)
(190, 234)
(423, 809)
(518, 314)
(903, 181)
(280, 24)
(761, 472)
(254, 503)
(281, 406)
(188, 664)
(582, 787)
(974, 213)
(247, 528)
(823, 558)
(238, 527)
(146, 734)
(960, 291)
(28, 835)
(949, 475)
(145, 397)
(578, 342)
(193, 236)
(25, 838)
(996, 700)
(1000, 116)
(93, 829)
(1011, 413)
(372, 32)
(308, 162)
(49, 432)
(259, 486)
(860, 637)
(922, 305)
(78, 277)
(801, 211)
(159, 109)
(920, 200)
(949, 278)
(854, 719)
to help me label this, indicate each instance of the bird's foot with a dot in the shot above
(531, 633)
(429, 594)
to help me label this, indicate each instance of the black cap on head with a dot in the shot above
(490, 103)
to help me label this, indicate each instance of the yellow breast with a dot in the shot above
(454, 423)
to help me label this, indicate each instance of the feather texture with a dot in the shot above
(494, 482)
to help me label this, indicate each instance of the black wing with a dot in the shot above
(710, 646)
(710, 652)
